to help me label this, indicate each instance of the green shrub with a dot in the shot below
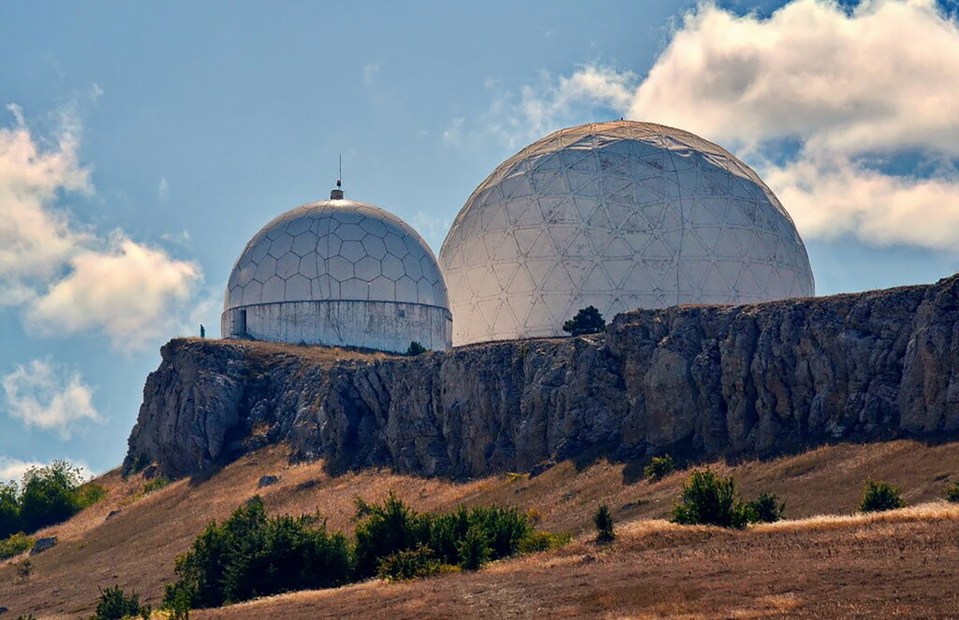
(415, 349)
(765, 509)
(115, 605)
(952, 492)
(659, 467)
(251, 555)
(155, 485)
(410, 564)
(588, 320)
(543, 541)
(384, 530)
(474, 549)
(879, 496)
(604, 525)
(14, 544)
(391, 527)
(504, 528)
(709, 500)
(88, 495)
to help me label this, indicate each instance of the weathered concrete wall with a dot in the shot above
(384, 326)
(705, 380)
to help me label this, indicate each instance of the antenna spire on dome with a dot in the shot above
(337, 194)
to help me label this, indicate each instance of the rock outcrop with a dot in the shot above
(698, 380)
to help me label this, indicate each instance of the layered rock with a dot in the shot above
(701, 380)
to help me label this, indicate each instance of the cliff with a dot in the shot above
(698, 380)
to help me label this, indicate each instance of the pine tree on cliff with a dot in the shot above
(587, 321)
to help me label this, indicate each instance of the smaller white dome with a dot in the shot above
(336, 250)
(341, 273)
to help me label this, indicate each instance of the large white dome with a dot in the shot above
(338, 272)
(618, 215)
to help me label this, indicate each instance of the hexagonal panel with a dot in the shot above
(304, 244)
(367, 268)
(280, 246)
(288, 265)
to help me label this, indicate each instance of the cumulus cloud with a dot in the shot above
(48, 396)
(127, 290)
(841, 86)
(64, 276)
(35, 240)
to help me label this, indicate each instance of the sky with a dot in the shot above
(143, 143)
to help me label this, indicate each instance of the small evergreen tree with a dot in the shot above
(709, 500)
(604, 525)
(474, 549)
(765, 509)
(587, 321)
(880, 496)
(115, 605)
(415, 349)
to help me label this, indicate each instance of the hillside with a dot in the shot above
(899, 564)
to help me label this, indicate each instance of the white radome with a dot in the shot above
(338, 272)
(619, 215)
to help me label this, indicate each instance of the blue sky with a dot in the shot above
(142, 144)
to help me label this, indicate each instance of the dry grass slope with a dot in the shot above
(894, 564)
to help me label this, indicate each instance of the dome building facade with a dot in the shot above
(619, 215)
(338, 273)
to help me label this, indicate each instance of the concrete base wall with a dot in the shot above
(384, 326)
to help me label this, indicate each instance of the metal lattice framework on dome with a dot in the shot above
(338, 272)
(618, 215)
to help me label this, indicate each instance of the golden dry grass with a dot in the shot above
(901, 563)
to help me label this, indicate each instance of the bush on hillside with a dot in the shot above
(391, 527)
(114, 604)
(659, 467)
(588, 320)
(708, 499)
(15, 544)
(415, 349)
(410, 564)
(543, 541)
(46, 496)
(604, 525)
(251, 555)
(952, 492)
(765, 509)
(880, 496)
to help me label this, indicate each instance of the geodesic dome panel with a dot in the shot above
(336, 250)
(619, 215)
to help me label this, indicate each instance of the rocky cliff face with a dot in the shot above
(701, 380)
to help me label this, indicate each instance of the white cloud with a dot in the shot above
(12, 470)
(48, 396)
(35, 240)
(67, 278)
(128, 291)
(843, 86)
